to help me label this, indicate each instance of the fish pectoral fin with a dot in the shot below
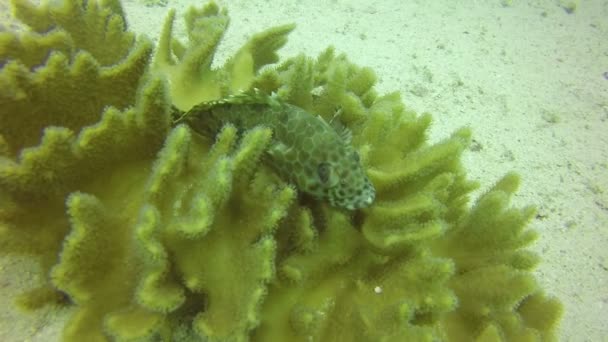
(278, 152)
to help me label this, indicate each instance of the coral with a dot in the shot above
(154, 232)
(188, 67)
(66, 117)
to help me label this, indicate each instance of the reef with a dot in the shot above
(152, 232)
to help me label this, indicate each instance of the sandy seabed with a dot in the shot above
(529, 77)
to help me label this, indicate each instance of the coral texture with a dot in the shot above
(154, 232)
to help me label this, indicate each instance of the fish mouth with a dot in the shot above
(362, 202)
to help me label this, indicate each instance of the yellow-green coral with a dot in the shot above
(188, 67)
(153, 232)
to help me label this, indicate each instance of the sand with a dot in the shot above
(528, 77)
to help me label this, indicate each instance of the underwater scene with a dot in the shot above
(255, 170)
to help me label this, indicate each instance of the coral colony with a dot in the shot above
(151, 231)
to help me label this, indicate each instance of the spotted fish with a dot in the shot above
(306, 150)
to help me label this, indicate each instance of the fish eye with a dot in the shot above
(323, 170)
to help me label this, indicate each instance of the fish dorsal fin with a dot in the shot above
(253, 96)
(345, 134)
(249, 97)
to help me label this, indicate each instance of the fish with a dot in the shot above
(306, 150)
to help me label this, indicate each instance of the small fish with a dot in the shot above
(305, 150)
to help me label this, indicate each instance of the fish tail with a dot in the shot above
(177, 115)
(202, 119)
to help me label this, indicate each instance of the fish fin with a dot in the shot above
(279, 151)
(253, 96)
(338, 126)
(277, 156)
